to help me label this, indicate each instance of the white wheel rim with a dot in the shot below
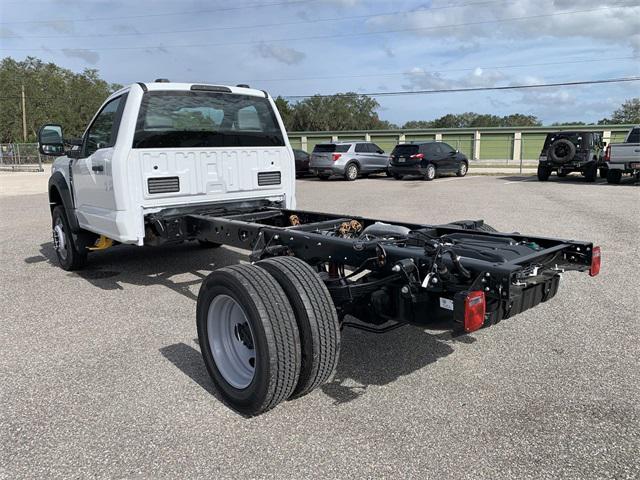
(352, 172)
(463, 168)
(431, 171)
(60, 239)
(231, 341)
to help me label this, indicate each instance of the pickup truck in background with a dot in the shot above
(624, 158)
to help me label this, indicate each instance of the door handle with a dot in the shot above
(97, 168)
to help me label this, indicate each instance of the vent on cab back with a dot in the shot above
(268, 178)
(163, 185)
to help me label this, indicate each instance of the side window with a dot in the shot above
(446, 148)
(103, 131)
(362, 148)
(634, 136)
(374, 148)
(428, 149)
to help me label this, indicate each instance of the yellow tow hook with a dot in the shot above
(102, 243)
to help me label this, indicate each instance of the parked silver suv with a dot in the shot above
(349, 159)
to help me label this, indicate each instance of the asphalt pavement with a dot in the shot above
(101, 375)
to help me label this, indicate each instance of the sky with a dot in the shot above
(304, 47)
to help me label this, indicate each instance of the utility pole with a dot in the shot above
(24, 116)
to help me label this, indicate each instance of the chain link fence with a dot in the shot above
(22, 157)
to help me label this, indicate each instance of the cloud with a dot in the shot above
(88, 56)
(287, 55)
(6, 32)
(121, 28)
(420, 79)
(615, 21)
(62, 26)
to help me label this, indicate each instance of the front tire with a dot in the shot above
(351, 172)
(249, 338)
(316, 316)
(543, 173)
(603, 172)
(462, 169)
(71, 256)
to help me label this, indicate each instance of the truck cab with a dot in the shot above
(157, 146)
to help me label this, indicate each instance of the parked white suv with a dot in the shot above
(164, 145)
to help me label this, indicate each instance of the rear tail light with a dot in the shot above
(469, 308)
(595, 262)
(418, 155)
(336, 156)
(474, 309)
(607, 153)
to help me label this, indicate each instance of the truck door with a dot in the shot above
(92, 172)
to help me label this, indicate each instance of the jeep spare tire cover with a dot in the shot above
(561, 150)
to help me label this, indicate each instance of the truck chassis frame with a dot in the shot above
(399, 272)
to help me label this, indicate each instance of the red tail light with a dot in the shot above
(607, 153)
(418, 155)
(595, 262)
(474, 309)
(336, 156)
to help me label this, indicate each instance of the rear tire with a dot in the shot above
(249, 338)
(591, 173)
(71, 255)
(603, 172)
(351, 172)
(316, 316)
(614, 176)
(430, 174)
(543, 173)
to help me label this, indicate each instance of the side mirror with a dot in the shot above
(50, 140)
(380, 151)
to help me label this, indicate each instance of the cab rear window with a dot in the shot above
(183, 119)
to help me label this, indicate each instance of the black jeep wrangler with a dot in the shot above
(566, 152)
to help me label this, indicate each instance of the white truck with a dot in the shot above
(624, 158)
(174, 162)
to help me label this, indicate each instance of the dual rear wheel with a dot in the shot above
(268, 332)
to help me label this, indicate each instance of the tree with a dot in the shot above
(343, 111)
(418, 124)
(53, 95)
(629, 112)
(567, 124)
(475, 120)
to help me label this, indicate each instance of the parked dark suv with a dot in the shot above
(566, 152)
(427, 159)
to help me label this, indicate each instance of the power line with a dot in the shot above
(467, 69)
(264, 25)
(165, 14)
(442, 90)
(474, 89)
(322, 37)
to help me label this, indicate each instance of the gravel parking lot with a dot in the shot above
(102, 377)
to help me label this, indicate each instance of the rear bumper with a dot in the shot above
(327, 170)
(408, 170)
